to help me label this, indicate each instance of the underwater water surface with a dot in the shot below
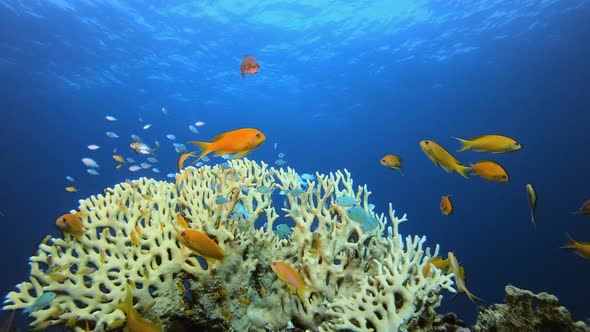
(340, 85)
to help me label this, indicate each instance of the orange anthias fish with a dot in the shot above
(70, 224)
(490, 143)
(291, 277)
(490, 170)
(183, 157)
(393, 162)
(438, 262)
(202, 244)
(135, 323)
(249, 66)
(442, 157)
(582, 249)
(239, 141)
(446, 207)
(459, 273)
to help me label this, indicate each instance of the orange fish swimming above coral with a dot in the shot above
(201, 244)
(71, 224)
(249, 66)
(240, 141)
(291, 277)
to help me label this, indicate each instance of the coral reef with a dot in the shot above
(355, 279)
(525, 311)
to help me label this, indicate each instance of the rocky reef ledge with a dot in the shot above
(525, 311)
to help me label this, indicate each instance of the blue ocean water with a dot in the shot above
(340, 85)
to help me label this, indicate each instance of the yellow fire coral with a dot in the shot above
(355, 279)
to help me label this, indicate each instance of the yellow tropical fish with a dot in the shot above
(582, 249)
(490, 143)
(490, 170)
(532, 201)
(291, 277)
(118, 158)
(135, 323)
(393, 162)
(459, 273)
(442, 157)
(72, 189)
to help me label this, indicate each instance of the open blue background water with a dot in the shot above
(339, 87)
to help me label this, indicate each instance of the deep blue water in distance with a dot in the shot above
(339, 87)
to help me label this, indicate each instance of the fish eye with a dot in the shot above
(182, 233)
(274, 263)
(258, 135)
(426, 142)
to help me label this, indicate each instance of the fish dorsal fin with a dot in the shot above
(479, 136)
(219, 136)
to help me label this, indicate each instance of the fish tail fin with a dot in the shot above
(466, 144)
(571, 244)
(154, 149)
(204, 146)
(303, 293)
(463, 170)
(472, 297)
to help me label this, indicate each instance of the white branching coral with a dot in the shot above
(355, 280)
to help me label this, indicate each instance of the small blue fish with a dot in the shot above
(296, 192)
(239, 208)
(225, 165)
(282, 231)
(263, 189)
(221, 200)
(41, 302)
(360, 216)
(307, 176)
(244, 188)
(345, 201)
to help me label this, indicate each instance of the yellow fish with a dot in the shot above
(582, 249)
(442, 157)
(135, 323)
(532, 201)
(490, 170)
(118, 158)
(393, 162)
(460, 278)
(72, 189)
(490, 143)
